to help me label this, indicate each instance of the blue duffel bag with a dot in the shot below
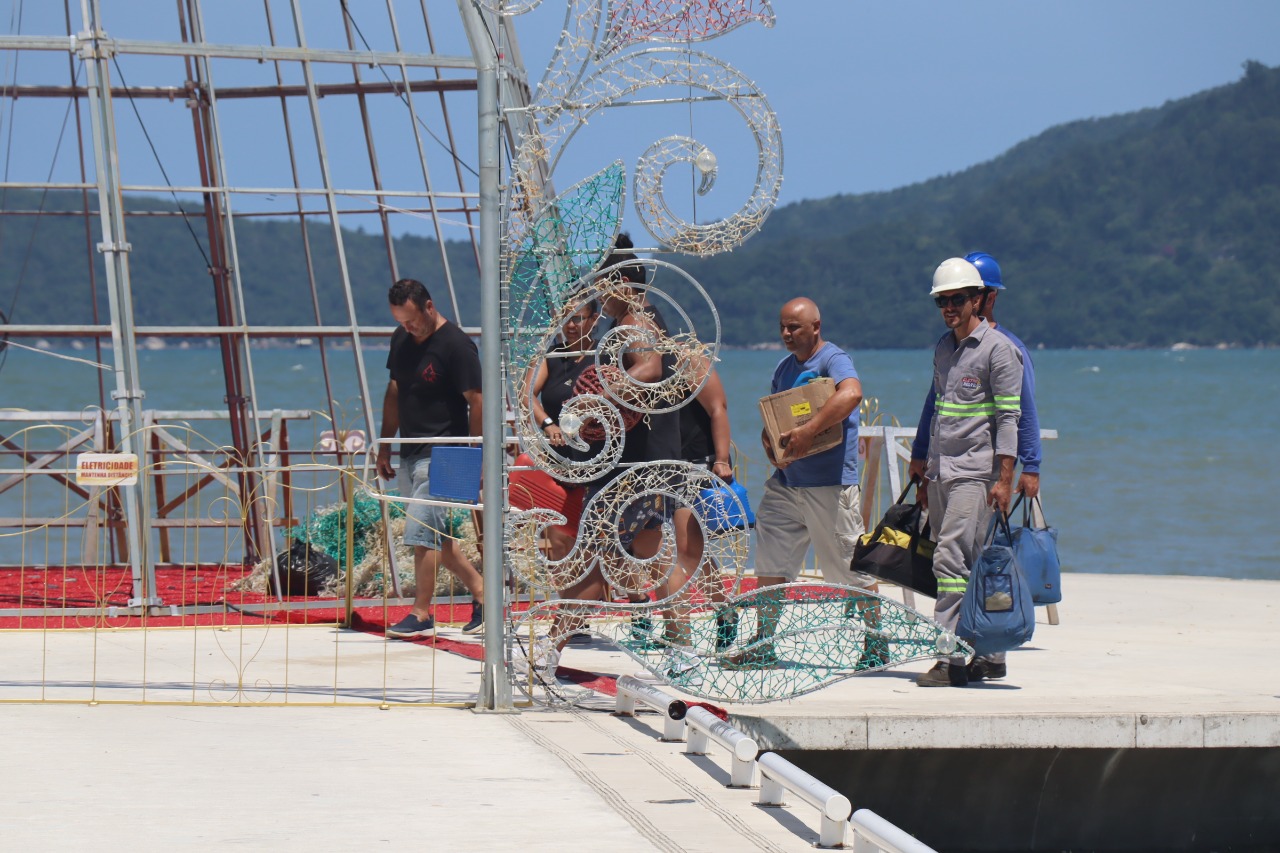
(1037, 552)
(997, 613)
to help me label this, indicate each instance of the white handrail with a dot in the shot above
(779, 775)
(704, 727)
(874, 834)
(632, 690)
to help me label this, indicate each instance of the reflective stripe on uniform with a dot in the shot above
(978, 410)
(966, 410)
(956, 585)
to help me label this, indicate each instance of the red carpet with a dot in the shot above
(103, 588)
(34, 589)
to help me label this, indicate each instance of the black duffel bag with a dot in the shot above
(899, 549)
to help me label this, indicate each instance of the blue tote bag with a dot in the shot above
(1037, 552)
(725, 508)
(997, 613)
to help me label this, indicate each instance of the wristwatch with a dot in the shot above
(546, 422)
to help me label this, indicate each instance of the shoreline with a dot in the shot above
(157, 344)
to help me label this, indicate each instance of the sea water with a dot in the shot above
(1161, 465)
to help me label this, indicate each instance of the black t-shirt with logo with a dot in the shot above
(430, 378)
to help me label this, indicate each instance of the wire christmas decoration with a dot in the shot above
(700, 633)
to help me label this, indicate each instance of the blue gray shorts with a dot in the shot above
(424, 525)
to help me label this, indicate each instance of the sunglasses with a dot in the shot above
(955, 300)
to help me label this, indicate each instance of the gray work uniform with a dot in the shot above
(977, 386)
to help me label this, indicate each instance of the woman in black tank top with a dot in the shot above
(553, 383)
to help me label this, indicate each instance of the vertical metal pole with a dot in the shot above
(495, 689)
(349, 474)
(95, 50)
(313, 102)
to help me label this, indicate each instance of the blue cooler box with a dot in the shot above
(455, 473)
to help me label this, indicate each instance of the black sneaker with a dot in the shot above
(726, 628)
(875, 653)
(641, 630)
(654, 642)
(943, 675)
(980, 669)
(476, 625)
(411, 626)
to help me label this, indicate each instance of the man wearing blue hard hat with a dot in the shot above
(1028, 424)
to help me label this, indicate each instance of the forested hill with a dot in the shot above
(1136, 230)
(1143, 229)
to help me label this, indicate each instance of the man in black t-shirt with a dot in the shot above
(434, 391)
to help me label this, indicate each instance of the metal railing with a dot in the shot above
(778, 776)
(704, 727)
(874, 834)
(632, 691)
(871, 833)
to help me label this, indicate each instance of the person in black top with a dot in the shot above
(552, 386)
(556, 374)
(705, 439)
(704, 429)
(434, 391)
(655, 438)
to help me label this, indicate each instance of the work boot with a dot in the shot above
(980, 669)
(943, 675)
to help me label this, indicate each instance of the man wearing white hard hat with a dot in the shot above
(973, 444)
(1029, 453)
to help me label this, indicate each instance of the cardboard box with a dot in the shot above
(795, 407)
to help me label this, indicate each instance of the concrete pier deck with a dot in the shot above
(1137, 661)
(1144, 662)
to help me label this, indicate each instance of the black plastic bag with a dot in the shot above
(303, 570)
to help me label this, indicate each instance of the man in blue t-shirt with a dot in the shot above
(810, 500)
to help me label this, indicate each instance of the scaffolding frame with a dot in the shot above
(95, 88)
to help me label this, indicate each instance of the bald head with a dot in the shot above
(802, 307)
(800, 324)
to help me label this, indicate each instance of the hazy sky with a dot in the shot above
(873, 95)
(870, 94)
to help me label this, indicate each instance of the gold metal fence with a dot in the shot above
(208, 612)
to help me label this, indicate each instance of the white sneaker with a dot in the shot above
(681, 661)
(545, 658)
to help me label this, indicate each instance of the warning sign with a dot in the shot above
(106, 469)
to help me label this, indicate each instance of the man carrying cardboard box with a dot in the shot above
(813, 498)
